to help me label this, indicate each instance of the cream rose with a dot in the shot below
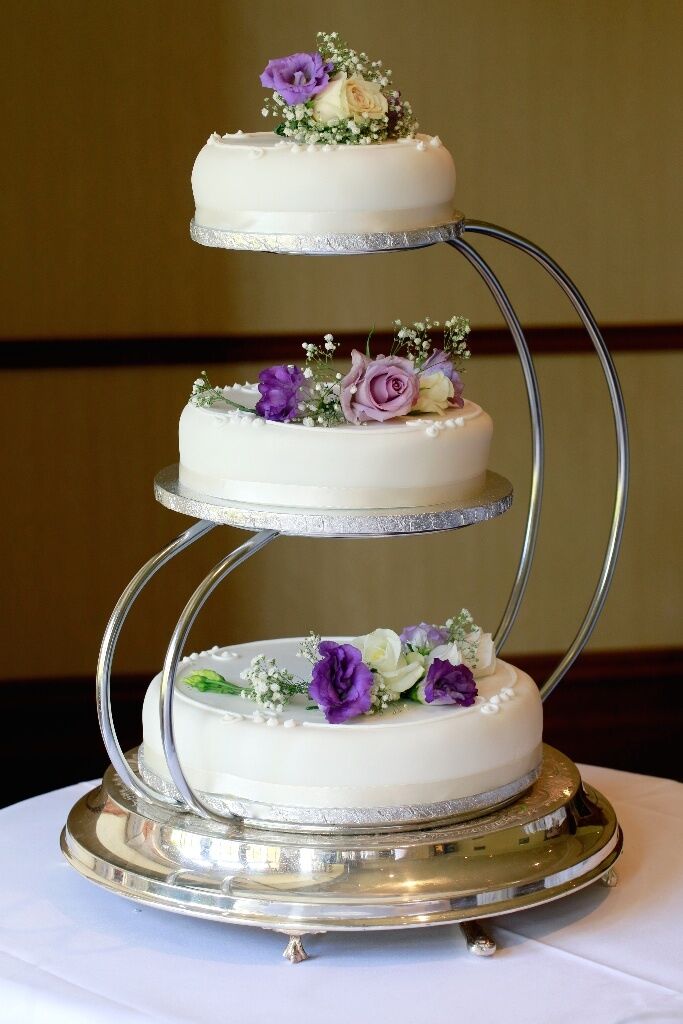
(436, 392)
(446, 652)
(483, 663)
(381, 650)
(365, 99)
(405, 675)
(349, 97)
(331, 104)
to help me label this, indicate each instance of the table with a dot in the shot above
(71, 953)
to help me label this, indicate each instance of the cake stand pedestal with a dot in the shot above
(560, 836)
(175, 851)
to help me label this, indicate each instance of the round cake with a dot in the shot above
(260, 182)
(407, 462)
(412, 761)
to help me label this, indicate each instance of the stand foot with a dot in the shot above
(610, 878)
(479, 942)
(294, 951)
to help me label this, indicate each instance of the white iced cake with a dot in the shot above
(344, 157)
(406, 462)
(411, 754)
(259, 182)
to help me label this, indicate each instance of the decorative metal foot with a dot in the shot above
(478, 941)
(610, 878)
(294, 951)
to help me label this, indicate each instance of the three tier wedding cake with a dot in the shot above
(387, 726)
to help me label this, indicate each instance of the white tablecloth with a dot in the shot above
(71, 953)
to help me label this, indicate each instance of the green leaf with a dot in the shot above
(207, 681)
(369, 339)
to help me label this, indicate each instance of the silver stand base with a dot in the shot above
(557, 838)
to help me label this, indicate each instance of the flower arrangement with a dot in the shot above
(433, 665)
(416, 377)
(335, 95)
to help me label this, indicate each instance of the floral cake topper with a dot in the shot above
(433, 665)
(415, 377)
(335, 95)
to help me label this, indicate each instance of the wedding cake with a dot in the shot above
(382, 728)
(386, 727)
(344, 158)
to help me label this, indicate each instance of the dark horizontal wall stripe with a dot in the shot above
(613, 709)
(65, 353)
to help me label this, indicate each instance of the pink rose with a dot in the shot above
(378, 389)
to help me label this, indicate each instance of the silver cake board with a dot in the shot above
(558, 837)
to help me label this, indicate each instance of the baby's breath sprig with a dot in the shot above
(380, 696)
(204, 394)
(269, 685)
(309, 649)
(462, 630)
(321, 406)
(414, 341)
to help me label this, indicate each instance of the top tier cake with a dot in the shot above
(344, 158)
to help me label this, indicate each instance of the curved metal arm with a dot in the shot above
(106, 657)
(175, 647)
(621, 434)
(536, 416)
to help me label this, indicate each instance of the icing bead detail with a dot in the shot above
(489, 709)
(460, 421)
(256, 154)
(508, 692)
(432, 431)
(257, 717)
(435, 142)
(289, 723)
(272, 722)
(420, 147)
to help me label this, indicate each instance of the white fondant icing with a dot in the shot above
(398, 185)
(384, 465)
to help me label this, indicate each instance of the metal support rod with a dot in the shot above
(175, 647)
(537, 445)
(621, 436)
(106, 657)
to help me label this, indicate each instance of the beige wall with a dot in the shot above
(562, 120)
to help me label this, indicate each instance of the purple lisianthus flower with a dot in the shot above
(439, 362)
(341, 682)
(282, 389)
(297, 77)
(425, 637)
(378, 389)
(449, 684)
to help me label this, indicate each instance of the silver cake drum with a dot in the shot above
(174, 848)
(494, 498)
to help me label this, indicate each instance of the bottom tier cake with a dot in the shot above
(413, 761)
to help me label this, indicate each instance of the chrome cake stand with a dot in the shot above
(175, 851)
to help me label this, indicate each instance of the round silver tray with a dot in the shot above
(328, 245)
(493, 500)
(560, 836)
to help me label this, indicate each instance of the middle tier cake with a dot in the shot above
(393, 432)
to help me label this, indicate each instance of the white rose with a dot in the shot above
(331, 104)
(484, 661)
(365, 99)
(381, 650)
(436, 390)
(446, 652)
(405, 675)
